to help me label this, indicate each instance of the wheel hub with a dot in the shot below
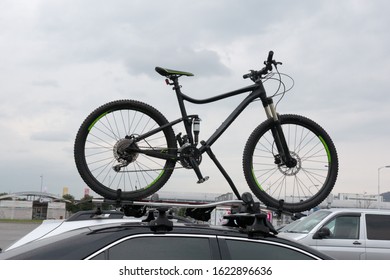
(121, 152)
(291, 171)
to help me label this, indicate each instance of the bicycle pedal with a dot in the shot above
(202, 180)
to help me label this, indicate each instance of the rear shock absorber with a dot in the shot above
(196, 129)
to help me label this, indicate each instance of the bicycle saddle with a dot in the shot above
(169, 72)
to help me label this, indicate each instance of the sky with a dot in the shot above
(62, 59)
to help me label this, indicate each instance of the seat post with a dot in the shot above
(180, 99)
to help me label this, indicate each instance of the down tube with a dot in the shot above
(229, 120)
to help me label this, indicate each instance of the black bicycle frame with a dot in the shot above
(257, 92)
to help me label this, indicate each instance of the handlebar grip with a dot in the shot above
(246, 76)
(270, 56)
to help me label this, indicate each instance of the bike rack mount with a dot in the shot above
(245, 214)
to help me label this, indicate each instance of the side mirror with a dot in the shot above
(322, 233)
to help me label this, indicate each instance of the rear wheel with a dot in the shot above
(297, 188)
(103, 157)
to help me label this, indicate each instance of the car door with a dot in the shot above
(345, 240)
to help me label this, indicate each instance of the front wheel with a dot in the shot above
(297, 188)
(109, 157)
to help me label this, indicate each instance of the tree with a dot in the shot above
(70, 206)
(86, 203)
(8, 198)
(83, 204)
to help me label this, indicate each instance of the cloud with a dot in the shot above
(50, 135)
(46, 83)
(62, 59)
(202, 62)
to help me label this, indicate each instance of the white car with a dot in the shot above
(81, 219)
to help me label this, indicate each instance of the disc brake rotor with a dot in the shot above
(291, 171)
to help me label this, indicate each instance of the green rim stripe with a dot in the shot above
(257, 182)
(326, 148)
(155, 180)
(95, 121)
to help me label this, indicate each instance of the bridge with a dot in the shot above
(35, 195)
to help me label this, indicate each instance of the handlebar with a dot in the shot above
(255, 75)
(246, 76)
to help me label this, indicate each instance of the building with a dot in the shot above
(32, 205)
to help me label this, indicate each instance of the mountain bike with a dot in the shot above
(127, 149)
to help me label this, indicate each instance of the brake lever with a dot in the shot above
(255, 75)
(275, 63)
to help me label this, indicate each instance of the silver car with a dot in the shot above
(351, 234)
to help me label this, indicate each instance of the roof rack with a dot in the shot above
(245, 215)
(96, 214)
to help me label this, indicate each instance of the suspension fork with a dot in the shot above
(278, 134)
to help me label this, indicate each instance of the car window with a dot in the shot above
(252, 250)
(344, 227)
(159, 248)
(378, 227)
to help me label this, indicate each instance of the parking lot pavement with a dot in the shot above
(11, 232)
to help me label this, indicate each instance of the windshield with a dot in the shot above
(307, 224)
(290, 225)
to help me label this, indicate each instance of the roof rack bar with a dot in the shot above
(234, 202)
(168, 204)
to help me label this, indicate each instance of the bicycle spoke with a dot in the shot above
(296, 183)
(104, 148)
